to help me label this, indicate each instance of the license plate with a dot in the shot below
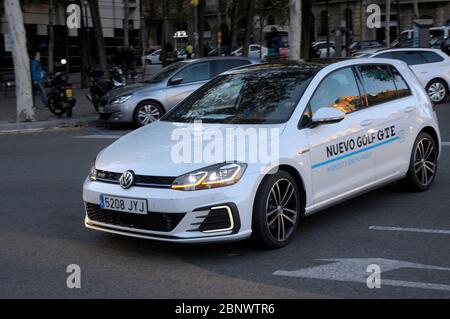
(69, 93)
(123, 204)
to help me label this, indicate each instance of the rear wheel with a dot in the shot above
(55, 106)
(437, 90)
(147, 112)
(423, 163)
(276, 212)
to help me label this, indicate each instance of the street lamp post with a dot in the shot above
(328, 29)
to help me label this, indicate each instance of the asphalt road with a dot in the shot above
(42, 232)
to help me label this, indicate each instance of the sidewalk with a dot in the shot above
(84, 113)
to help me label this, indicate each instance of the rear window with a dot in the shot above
(379, 83)
(400, 83)
(221, 66)
(431, 57)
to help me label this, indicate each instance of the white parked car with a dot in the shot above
(305, 137)
(153, 58)
(254, 52)
(431, 66)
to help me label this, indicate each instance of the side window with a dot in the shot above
(431, 57)
(400, 83)
(410, 57)
(378, 83)
(194, 73)
(221, 66)
(387, 55)
(339, 90)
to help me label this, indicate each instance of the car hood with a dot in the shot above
(132, 89)
(155, 149)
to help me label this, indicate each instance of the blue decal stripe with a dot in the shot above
(355, 152)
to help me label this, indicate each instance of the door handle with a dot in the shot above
(366, 123)
(408, 109)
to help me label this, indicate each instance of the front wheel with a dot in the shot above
(423, 163)
(276, 211)
(147, 112)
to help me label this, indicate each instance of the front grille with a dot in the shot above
(139, 180)
(105, 116)
(162, 222)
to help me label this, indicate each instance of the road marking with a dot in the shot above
(414, 230)
(445, 143)
(100, 136)
(355, 270)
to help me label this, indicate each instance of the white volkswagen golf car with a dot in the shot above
(256, 148)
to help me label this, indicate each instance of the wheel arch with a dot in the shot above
(432, 132)
(440, 79)
(150, 100)
(298, 180)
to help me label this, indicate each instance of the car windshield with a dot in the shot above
(165, 73)
(267, 97)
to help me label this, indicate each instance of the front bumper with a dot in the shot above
(121, 113)
(194, 206)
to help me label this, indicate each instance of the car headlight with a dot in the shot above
(218, 175)
(121, 99)
(93, 173)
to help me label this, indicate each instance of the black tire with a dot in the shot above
(149, 108)
(69, 111)
(53, 104)
(437, 90)
(269, 217)
(423, 164)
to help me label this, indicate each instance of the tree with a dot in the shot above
(51, 36)
(126, 32)
(295, 29)
(387, 28)
(24, 93)
(97, 23)
(250, 25)
(416, 9)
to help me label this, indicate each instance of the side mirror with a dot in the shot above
(328, 115)
(176, 81)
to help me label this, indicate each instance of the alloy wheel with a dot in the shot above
(148, 114)
(282, 210)
(437, 91)
(425, 161)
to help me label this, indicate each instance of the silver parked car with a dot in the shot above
(143, 103)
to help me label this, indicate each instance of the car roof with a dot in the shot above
(407, 49)
(217, 58)
(287, 66)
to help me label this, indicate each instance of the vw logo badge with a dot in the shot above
(127, 179)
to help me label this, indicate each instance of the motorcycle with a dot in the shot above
(60, 100)
(100, 87)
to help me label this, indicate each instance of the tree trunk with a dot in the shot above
(97, 24)
(126, 32)
(83, 49)
(306, 23)
(201, 27)
(387, 28)
(231, 38)
(416, 9)
(24, 93)
(250, 25)
(51, 36)
(295, 29)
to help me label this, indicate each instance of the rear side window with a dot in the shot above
(400, 83)
(431, 57)
(379, 83)
(221, 66)
(194, 73)
(409, 57)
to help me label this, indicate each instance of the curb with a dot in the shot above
(24, 127)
